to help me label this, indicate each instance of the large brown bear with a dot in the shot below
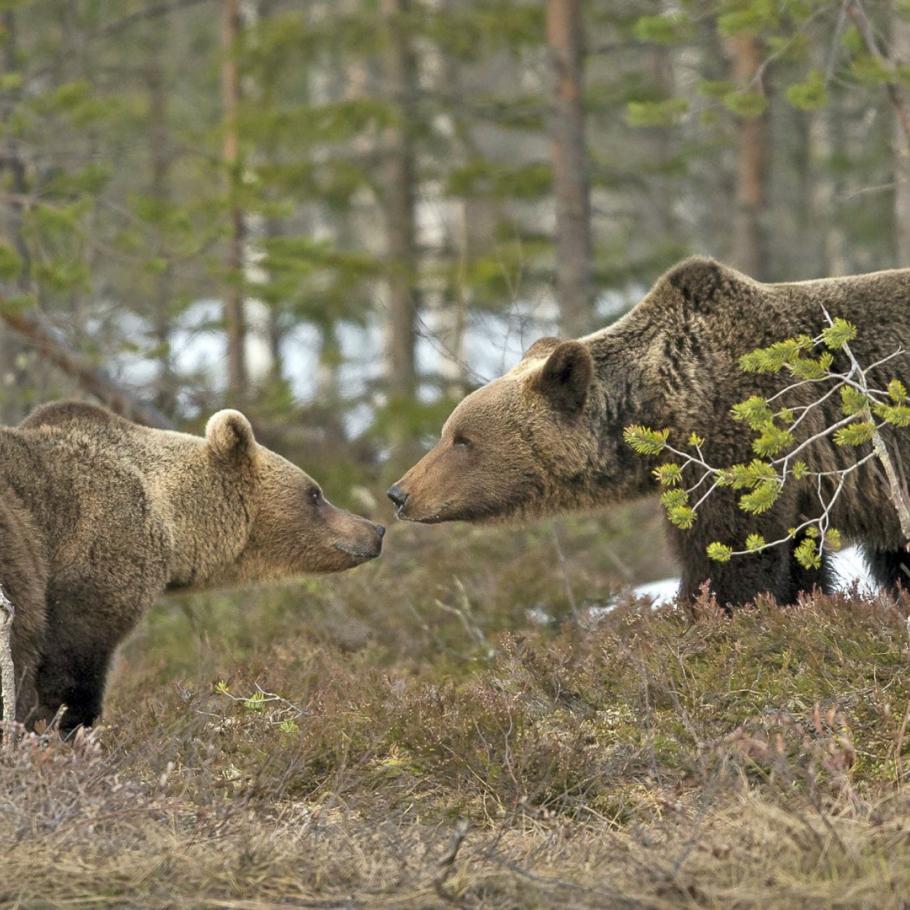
(99, 516)
(548, 436)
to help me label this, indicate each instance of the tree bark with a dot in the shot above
(399, 68)
(571, 184)
(31, 326)
(7, 670)
(749, 241)
(900, 52)
(159, 189)
(234, 315)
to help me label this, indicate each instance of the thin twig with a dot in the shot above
(7, 669)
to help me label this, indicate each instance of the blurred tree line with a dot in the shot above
(340, 216)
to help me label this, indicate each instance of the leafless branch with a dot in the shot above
(152, 11)
(7, 670)
(94, 380)
(856, 12)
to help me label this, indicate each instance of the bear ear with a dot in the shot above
(566, 376)
(540, 348)
(230, 435)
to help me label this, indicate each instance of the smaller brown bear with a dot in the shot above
(100, 516)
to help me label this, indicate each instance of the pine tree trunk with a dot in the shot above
(399, 70)
(663, 139)
(234, 315)
(749, 246)
(570, 168)
(159, 189)
(900, 53)
(12, 173)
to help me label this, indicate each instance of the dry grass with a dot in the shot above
(409, 736)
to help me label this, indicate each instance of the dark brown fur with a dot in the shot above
(547, 436)
(99, 516)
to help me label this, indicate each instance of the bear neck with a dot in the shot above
(209, 509)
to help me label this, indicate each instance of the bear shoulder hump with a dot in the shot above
(62, 413)
(702, 281)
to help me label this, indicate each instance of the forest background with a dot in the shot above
(340, 217)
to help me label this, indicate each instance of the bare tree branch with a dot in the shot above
(7, 670)
(147, 12)
(895, 93)
(94, 380)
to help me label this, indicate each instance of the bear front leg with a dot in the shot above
(76, 679)
(742, 578)
(86, 620)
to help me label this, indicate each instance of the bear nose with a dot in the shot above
(380, 530)
(397, 495)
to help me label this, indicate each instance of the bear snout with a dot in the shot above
(397, 495)
(379, 531)
(373, 547)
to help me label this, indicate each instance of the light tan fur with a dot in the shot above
(100, 516)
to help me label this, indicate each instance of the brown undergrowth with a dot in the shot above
(451, 727)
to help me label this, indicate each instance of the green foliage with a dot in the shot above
(666, 28)
(810, 94)
(676, 503)
(644, 440)
(719, 552)
(776, 356)
(754, 411)
(752, 16)
(746, 104)
(807, 554)
(682, 516)
(897, 391)
(772, 439)
(853, 401)
(761, 498)
(481, 178)
(716, 88)
(747, 476)
(871, 71)
(763, 479)
(655, 113)
(855, 434)
(10, 262)
(839, 333)
(811, 368)
(668, 475)
(897, 415)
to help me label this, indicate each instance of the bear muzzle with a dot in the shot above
(398, 497)
(366, 546)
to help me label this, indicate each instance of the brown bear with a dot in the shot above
(548, 436)
(100, 516)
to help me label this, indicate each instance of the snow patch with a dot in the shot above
(848, 565)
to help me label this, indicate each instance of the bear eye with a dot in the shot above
(316, 496)
(460, 440)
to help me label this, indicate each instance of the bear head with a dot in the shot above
(520, 447)
(293, 528)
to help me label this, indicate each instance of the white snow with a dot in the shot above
(849, 569)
